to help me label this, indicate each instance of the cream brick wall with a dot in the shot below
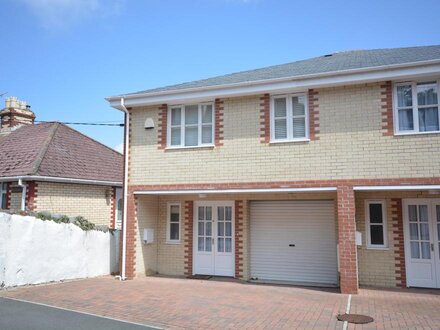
(89, 201)
(378, 267)
(351, 146)
(169, 258)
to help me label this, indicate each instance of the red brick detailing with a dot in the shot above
(8, 195)
(130, 226)
(265, 118)
(162, 126)
(291, 184)
(31, 196)
(346, 239)
(387, 108)
(399, 247)
(188, 237)
(239, 239)
(219, 112)
(313, 115)
(113, 208)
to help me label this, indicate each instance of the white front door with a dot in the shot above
(214, 238)
(422, 232)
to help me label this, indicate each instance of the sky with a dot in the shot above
(65, 56)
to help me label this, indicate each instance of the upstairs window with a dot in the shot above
(191, 125)
(289, 118)
(416, 107)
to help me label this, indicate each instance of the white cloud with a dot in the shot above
(119, 147)
(60, 13)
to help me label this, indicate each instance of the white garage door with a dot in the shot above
(294, 241)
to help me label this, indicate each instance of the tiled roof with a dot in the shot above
(56, 150)
(336, 62)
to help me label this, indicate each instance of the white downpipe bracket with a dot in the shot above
(23, 194)
(125, 188)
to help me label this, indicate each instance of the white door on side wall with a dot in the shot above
(214, 238)
(294, 241)
(422, 231)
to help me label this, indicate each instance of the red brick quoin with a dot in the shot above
(399, 247)
(130, 227)
(188, 237)
(346, 239)
(313, 115)
(31, 196)
(387, 108)
(162, 126)
(265, 118)
(239, 239)
(219, 112)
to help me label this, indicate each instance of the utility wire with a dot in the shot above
(90, 124)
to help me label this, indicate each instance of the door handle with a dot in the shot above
(292, 245)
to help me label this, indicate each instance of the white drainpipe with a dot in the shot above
(125, 188)
(23, 194)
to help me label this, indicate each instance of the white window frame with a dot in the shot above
(368, 225)
(289, 118)
(168, 239)
(3, 192)
(415, 107)
(182, 126)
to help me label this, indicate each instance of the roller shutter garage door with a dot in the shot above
(294, 241)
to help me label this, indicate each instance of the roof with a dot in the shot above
(58, 151)
(331, 63)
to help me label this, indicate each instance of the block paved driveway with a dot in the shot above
(198, 304)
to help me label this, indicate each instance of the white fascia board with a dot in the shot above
(396, 188)
(232, 191)
(292, 84)
(59, 180)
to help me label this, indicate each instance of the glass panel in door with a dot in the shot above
(419, 231)
(204, 229)
(224, 229)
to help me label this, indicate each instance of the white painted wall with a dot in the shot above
(33, 251)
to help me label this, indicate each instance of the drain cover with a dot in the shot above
(355, 318)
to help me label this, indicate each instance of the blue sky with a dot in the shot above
(65, 56)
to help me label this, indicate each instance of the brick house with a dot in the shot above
(320, 172)
(52, 167)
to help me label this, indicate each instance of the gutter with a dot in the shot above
(61, 180)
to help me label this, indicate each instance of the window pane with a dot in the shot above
(228, 245)
(207, 134)
(299, 127)
(228, 228)
(201, 228)
(406, 122)
(175, 116)
(298, 106)
(423, 209)
(208, 228)
(280, 128)
(201, 244)
(413, 231)
(175, 136)
(221, 245)
(415, 252)
(412, 210)
(220, 229)
(427, 94)
(437, 208)
(201, 213)
(426, 250)
(404, 96)
(208, 213)
(191, 114)
(375, 213)
(191, 136)
(221, 213)
(174, 213)
(428, 119)
(280, 107)
(376, 233)
(228, 215)
(174, 231)
(424, 231)
(208, 244)
(207, 113)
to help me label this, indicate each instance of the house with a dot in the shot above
(52, 167)
(324, 171)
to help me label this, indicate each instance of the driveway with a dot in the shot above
(194, 304)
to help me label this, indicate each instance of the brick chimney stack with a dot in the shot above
(15, 113)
